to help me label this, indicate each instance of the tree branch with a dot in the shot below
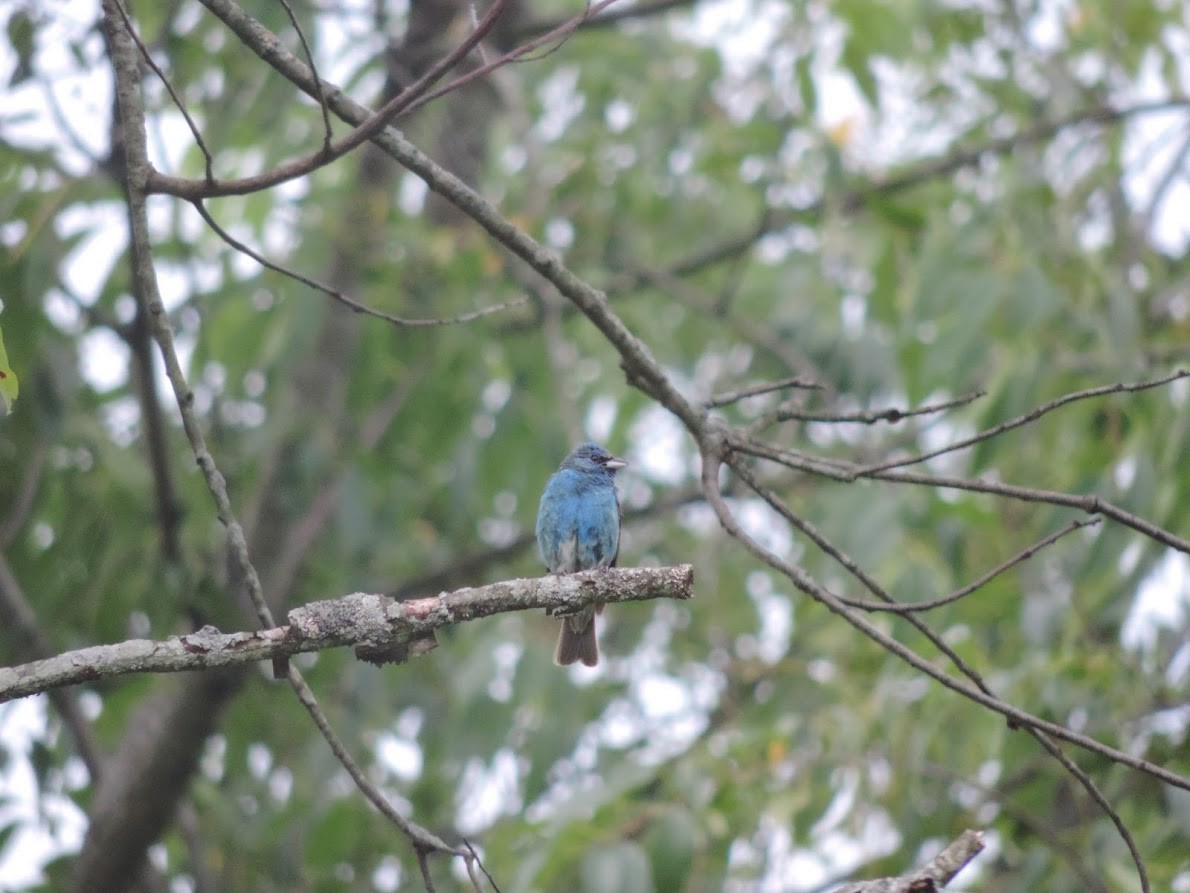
(110, 814)
(938, 872)
(337, 295)
(1028, 418)
(642, 369)
(366, 128)
(372, 623)
(807, 584)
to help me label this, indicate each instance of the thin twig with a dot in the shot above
(1031, 416)
(1022, 556)
(479, 862)
(327, 133)
(208, 161)
(561, 33)
(343, 299)
(589, 21)
(853, 567)
(767, 387)
(1042, 738)
(845, 472)
(1091, 504)
(1114, 817)
(421, 839)
(132, 115)
(372, 124)
(892, 415)
(424, 864)
(805, 583)
(641, 368)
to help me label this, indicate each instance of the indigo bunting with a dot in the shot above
(578, 528)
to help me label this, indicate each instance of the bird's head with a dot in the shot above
(593, 457)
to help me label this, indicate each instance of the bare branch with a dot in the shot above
(1031, 416)
(846, 472)
(938, 872)
(365, 621)
(1036, 825)
(327, 133)
(367, 127)
(963, 666)
(643, 371)
(561, 33)
(607, 19)
(805, 583)
(136, 174)
(1091, 504)
(1114, 817)
(1019, 558)
(476, 861)
(423, 841)
(173, 94)
(892, 415)
(720, 400)
(424, 864)
(343, 299)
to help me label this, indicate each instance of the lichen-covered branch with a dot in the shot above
(380, 628)
(934, 875)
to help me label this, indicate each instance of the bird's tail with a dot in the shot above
(576, 640)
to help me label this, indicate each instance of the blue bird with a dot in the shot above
(578, 528)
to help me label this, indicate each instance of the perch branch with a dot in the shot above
(936, 873)
(371, 623)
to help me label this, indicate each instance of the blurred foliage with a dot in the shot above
(9, 383)
(747, 740)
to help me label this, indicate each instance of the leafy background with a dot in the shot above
(904, 202)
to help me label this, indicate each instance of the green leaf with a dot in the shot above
(22, 37)
(671, 843)
(9, 385)
(620, 868)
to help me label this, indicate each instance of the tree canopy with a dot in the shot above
(886, 305)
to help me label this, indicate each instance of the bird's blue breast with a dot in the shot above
(578, 521)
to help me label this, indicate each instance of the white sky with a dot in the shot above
(657, 708)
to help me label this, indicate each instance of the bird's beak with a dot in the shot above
(615, 464)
